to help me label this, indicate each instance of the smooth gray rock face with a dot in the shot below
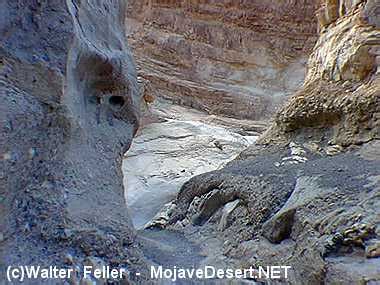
(68, 112)
(179, 144)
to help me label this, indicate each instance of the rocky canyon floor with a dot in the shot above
(201, 192)
(174, 144)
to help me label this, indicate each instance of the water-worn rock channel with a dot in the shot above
(179, 144)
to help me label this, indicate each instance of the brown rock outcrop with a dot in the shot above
(341, 92)
(237, 58)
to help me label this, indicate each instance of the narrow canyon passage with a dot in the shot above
(179, 144)
(160, 135)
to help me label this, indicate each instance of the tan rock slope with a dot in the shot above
(342, 88)
(237, 58)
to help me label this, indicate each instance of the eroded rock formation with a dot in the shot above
(237, 58)
(341, 90)
(176, 145)
(69, 109)
(307, 194)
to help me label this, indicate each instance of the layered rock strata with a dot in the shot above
(341, 90)
(236, 58)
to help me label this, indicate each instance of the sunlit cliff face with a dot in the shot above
(236, 58)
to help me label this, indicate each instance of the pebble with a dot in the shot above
(333, 150)
(314, 147)
(296, 150)
(373, 250)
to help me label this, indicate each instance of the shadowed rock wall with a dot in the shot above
(68, 111)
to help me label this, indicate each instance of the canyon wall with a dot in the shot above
(307, 193)
(236, 58)
(69, 109)
(341, 89)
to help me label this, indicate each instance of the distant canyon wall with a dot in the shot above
(236, 58)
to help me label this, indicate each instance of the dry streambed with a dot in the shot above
(177, 144)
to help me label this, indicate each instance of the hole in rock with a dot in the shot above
(116, 101)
